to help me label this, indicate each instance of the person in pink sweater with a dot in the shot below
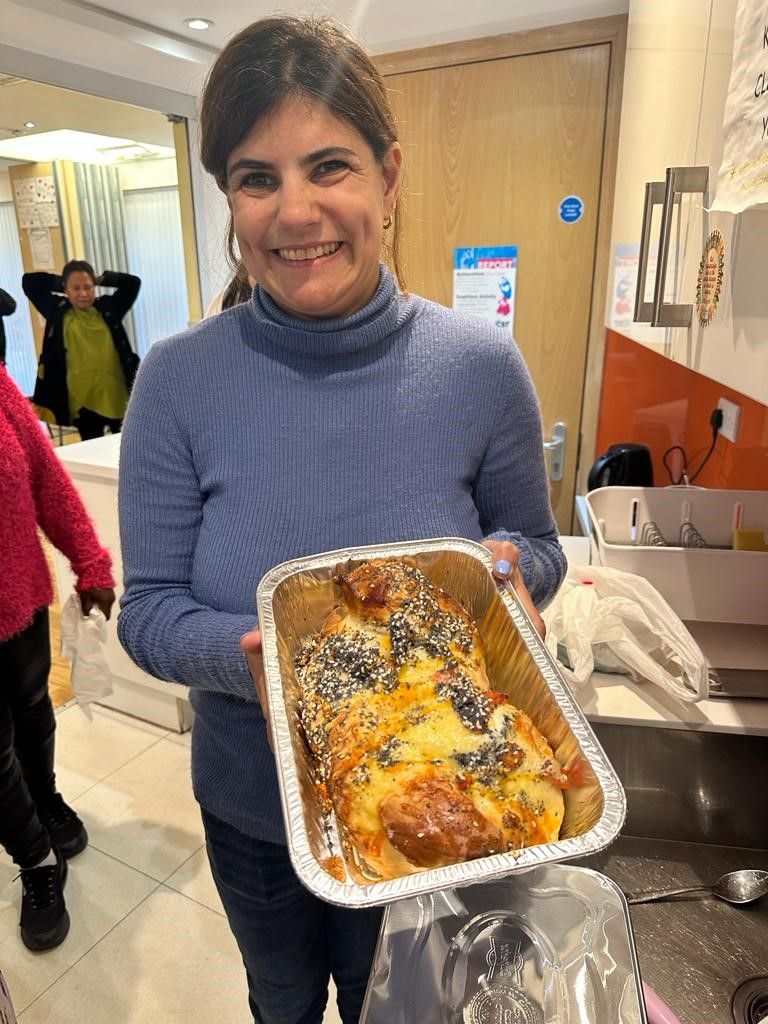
(38, 830)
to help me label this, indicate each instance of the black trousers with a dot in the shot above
(91, 424)
(27, 727)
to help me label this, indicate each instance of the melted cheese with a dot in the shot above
(423, 763)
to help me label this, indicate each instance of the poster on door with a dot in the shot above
(484, 283)
(743, 177)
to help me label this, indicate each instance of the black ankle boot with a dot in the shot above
(65, 829)
(44, 917)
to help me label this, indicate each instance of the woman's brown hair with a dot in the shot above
(279, 58)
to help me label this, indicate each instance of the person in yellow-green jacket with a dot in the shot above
(87, 365)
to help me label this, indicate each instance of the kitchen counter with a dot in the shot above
(693, 950)
(606, 698)
(93, 467)
(618, 700)
(696, 808)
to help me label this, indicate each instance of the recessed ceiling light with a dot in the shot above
(30, 124)
(82, 147)
(199, 24)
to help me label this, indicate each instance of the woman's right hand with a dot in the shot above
(250, 645)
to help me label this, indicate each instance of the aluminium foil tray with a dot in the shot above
(294, 599)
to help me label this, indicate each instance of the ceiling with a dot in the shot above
(154, 45)
(383, 27)
(52, 108)
(153, 59)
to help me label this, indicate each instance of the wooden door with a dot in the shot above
(492, 148)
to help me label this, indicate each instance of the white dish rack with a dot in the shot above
(721, 594)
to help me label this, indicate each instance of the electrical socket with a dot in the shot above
(731, 419)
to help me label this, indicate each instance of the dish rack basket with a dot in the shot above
(679, 539)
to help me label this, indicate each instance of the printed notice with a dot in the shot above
(41, 249)
(484, 283)
(743, 177)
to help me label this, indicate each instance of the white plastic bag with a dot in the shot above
(605, 620)
(82, 642)
(7, 1015)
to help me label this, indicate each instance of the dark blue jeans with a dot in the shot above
(291, 942)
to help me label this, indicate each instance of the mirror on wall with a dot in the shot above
(83, 177)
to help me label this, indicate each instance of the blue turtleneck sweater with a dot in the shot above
(255, 437)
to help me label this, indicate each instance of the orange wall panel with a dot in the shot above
(649, 399)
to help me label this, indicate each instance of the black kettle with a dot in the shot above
(623, 465)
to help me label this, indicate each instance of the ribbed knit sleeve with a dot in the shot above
(510, 489)
(256, 438)
(58, 508)
(164, 628)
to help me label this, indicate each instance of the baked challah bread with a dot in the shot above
(423, 764)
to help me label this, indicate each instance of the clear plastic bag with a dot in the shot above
(7, 1015)
(605, 620)
(82, 641)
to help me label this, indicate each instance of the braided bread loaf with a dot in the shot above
(423, 763)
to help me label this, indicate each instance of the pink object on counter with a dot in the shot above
(657, 1010)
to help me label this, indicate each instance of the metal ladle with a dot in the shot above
(743, 886)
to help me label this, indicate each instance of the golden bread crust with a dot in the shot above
(423, 763)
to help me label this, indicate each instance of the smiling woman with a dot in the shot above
(330, 411)
(309, 201)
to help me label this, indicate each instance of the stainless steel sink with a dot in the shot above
(701, 787)
(697, 807)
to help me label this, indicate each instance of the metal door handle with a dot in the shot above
(556, 448)
(679, 181)
(654, 196)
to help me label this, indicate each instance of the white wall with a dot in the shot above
(148, 174)
(6, 194)
(676, 80)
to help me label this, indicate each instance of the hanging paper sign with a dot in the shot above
(710, 278)
(743, 177)
(626, 260)
(571, 209)
(41, 249)
(626, 263)
(484, 283)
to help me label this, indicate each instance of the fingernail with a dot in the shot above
(502, 567)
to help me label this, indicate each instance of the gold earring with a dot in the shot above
(388, 222)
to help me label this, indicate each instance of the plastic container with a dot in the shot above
(712, 584)
(553, 945)
(721, 594)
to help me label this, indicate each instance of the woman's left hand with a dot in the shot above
(252, 648)
(506, 559)
(97, 597)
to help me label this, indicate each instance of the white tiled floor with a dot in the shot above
(149, 942)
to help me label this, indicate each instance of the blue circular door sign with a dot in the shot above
(571, 209)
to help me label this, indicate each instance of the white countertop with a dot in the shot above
(96, 458)
(620, 701)
(606, 698)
